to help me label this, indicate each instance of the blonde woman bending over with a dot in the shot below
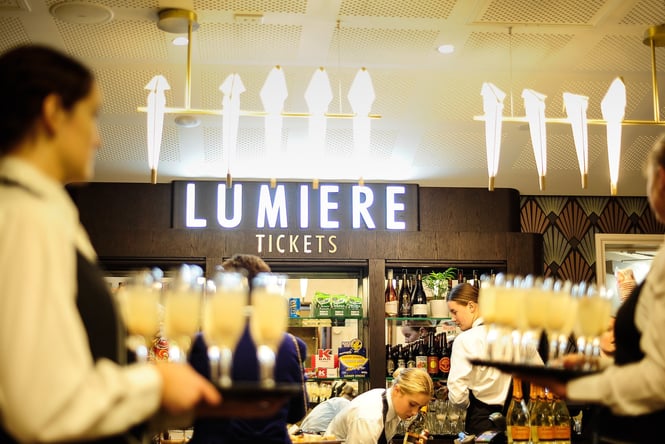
(373, 417)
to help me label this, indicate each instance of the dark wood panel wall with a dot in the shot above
(132, 222)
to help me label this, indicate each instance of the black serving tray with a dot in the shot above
(250, 400)
(560, 374)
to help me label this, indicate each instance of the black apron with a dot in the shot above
(478, 415)
(629, 429)
(99, 315)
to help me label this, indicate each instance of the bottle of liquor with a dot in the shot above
(542, 417)
(391, 297)
(416, 433)
(419, 298)
(401, 361)
(476, 280)
(533, 400)
(421, 354)
(460, 276)
(391, 365)
(404, 297)
(561, 417)
(432, 357)
(517, 417)
(411, 356)
(444, 357)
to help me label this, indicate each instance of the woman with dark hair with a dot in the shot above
(480, 390)
(63, 377)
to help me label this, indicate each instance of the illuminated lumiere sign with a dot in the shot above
(295, 206)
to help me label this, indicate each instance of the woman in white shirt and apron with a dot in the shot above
(373, 417)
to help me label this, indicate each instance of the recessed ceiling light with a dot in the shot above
(187, 121)
(81, 13)
(180, 41)
(446, 49)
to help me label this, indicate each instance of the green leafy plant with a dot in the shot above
(437, 281)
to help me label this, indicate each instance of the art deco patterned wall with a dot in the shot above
(569, 224)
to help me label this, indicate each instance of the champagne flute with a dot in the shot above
(594, 308)
(487, 303)
(268, 322)
(224, 319)
(536, 306)
(182, 310)
(139, 307)
(561, 314)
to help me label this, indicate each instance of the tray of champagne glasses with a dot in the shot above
(251, 400)
(536, 371)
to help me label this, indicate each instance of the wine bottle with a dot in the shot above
(421, 354)
(561, 419)
(517, 417)
(411, 357)
(416, 432)
(404, 297)
(419, 298)
(432, 357)
(476, 280)
(401, 361)
(444, 357)
(391, 297)
(390, 361)
(533, 400)
(542, 417)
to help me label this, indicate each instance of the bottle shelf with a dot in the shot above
(320, 322)
(412, 319)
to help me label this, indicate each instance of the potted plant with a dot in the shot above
(437, 281)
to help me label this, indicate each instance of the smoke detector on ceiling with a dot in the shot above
(81, 13)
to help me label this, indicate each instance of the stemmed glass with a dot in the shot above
(509, 313)
(139, 301)
(224, 319)
(561, 315)
(268, 322)
(537, 300)
(594, 308)
(487, 301)
(182, 310)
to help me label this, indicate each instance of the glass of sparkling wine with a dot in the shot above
(224, 320)
(182, 310)
(487, 301)
(268, 321)
(594, 308)
(536, 313)
(138, 300)
(561, 312)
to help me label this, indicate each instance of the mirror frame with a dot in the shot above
(611, 241)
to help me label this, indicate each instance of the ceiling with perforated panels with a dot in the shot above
(427, 133)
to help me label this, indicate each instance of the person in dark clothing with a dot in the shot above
(62, 349)
(288, 369)
(632, 390)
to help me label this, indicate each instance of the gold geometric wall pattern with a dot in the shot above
(569, 224)
(573, 223)
(614, 219)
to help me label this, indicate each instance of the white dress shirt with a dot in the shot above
(488, 385)
(319, 418)
(637, 388)
(50, 388)
(361, 422)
